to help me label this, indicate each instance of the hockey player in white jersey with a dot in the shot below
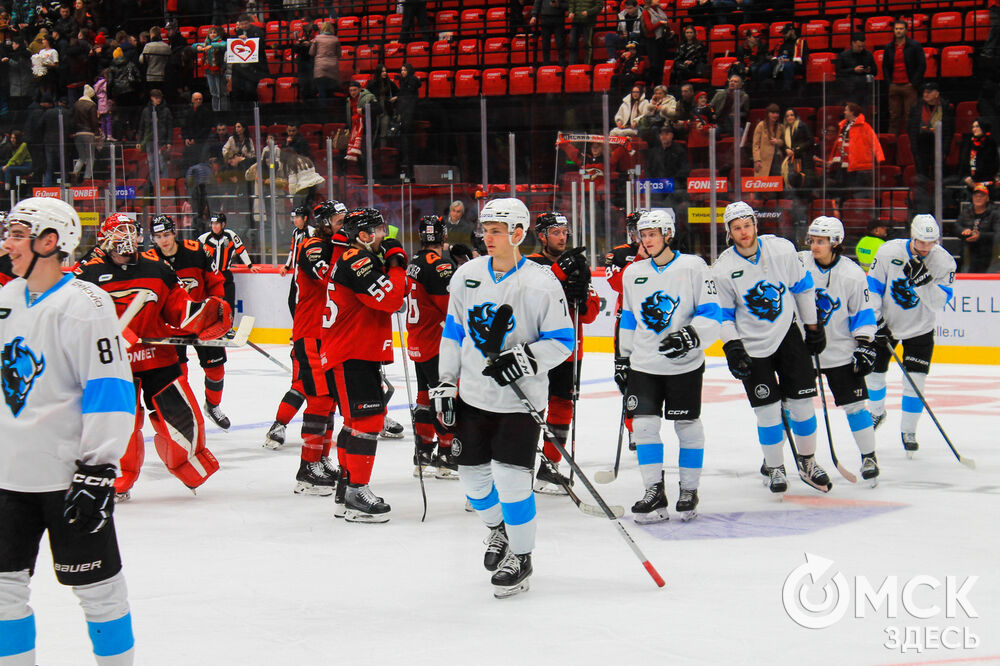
(910, 281)
(68, 413)
(494, 438)
(844, 309)
(763, 288)
(670, 314)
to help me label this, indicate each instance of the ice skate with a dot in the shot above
(813, 474)
(652, 508)
(275, 437)
(330, 467)
(512, 576)
(910, 443)
(391, 430)
(362, 506)
(496, 547)
(423, 458)
(447, 467)
(312, 479)
(776, 480)
(877, 419)
(339, 508)
(218, 417)
(869, 469)
(687, 502)
(121, 498)
(548, 480)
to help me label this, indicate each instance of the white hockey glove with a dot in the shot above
(511, 365)
(444, 395)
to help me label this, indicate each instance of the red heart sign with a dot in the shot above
(243, 48)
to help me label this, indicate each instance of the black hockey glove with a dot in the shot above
(443, 395)
(570, 262)
(394, 253)
(917, 273)
(816, 339)
(883, 336)
(460, 254)
(737, 358)
(864, 357)
(90, 500)
(577, 289)
(623, 367)
(679, 343)
(511, 365)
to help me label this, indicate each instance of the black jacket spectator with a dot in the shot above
(666, 159)
(920, 129)
(913, 56)
(978, 160)
(987, 223)
(164, 126)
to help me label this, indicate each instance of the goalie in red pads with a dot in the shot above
(168, 310)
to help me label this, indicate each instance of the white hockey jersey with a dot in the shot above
(658, 300)
(760, 295)
(541, 320)
(67, 386)
(843, 307)
(909, 311)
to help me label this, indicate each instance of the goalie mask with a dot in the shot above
(121, 234)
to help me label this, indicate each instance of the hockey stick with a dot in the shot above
(968, 462)
(238, 340)
(576, 385)
(132, 310)
(844, 472)
(413, 417)
(270, 358)
(607, 476)
(503, 315)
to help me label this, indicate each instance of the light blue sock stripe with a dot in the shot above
(519, 513)
(804, 428)
(487, 502)
(860, 420)
(769, 435)
(912, 404)
(691, 458)
(111, 638)
(876, 394)
(649, 454)
(17, 636)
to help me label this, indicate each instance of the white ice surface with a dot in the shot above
(248, 573)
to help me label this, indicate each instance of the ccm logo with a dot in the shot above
(97, 481)
(676, 412)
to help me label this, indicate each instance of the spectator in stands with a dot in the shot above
(733, 11)
(632, 109)
(8, 37)
(798, 167)
(52, 119)
(85, 128)
(386, 92)
(357, 99)
(216, 142)
(878, 234)
(550, 15)
(583, 17)
(164, 132)
(752, 62)
(683, 112)
(662, 106)
(325, 52)
(415, 11)
(924, 115)
(303, 180)
(627, 29)
(76, 64)
(180, 65)
(302, 47)
(66, 25)
(239, 152)
(406, 109)
(701, 13)
(103, 106)
(214, 48)
(45, 65)
(460, 229)
(692, 58)
(631, 69)
(196, 129)
(790, 58)
(295, 141)
(659, 39)
(666, 159)
(855, 68)
(154, 57)
(977, 226)
(903, 66)
(199, 176)
(123, 86)
(768, 141)
(978, 161)
(19, 163)
(855, 152)
(724, 104)
(246, 75)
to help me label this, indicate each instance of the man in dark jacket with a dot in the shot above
(668, 159)
(84, 129)
(53, 147)
(297, 142)
(551, 16)
(247, 75)
(415, 11)
(197, 126)
(164, 132)
(920, 127)
(855, 68)
(977, 226)
(583, 16)
(903, 66)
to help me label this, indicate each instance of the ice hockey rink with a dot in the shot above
(246, 572)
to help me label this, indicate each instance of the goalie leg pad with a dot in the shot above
(131, 463)
(180, 435)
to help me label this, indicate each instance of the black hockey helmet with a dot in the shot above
(632, 220)
(218, 217)
(361, 219)
(300, 211)
(327, 209)
(161, 224)
(432, 229)
(549, 219)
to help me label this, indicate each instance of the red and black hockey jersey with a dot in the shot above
(224, 248)
(165, 308)
(6, 272)
(615, 263)
(361, 297)
(193, 269)
(429, 275)
(312, 271)
(587, 316)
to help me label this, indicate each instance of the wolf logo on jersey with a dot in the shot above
(20, 370)
(826, 305)
(764, 300)
(481, 322)
(657, 311)
(904, 295)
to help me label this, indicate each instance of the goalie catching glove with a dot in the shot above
(679, 343)
(209, 320)
(511, 365)
(90, 500)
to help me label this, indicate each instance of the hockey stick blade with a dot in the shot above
(238, 340)
(826, 419)
(604, 476)
(607, 476)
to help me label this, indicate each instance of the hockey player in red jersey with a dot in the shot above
(326, 213)
(194, 271)
(584, 305)
(173, 410)
(429, 275)
(362, 294)
(223, 247)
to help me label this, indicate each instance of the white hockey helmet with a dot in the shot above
(737, 211)
(658, 218)
(925, 228)
(41, 213)
(509, 211)
(828, 227)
